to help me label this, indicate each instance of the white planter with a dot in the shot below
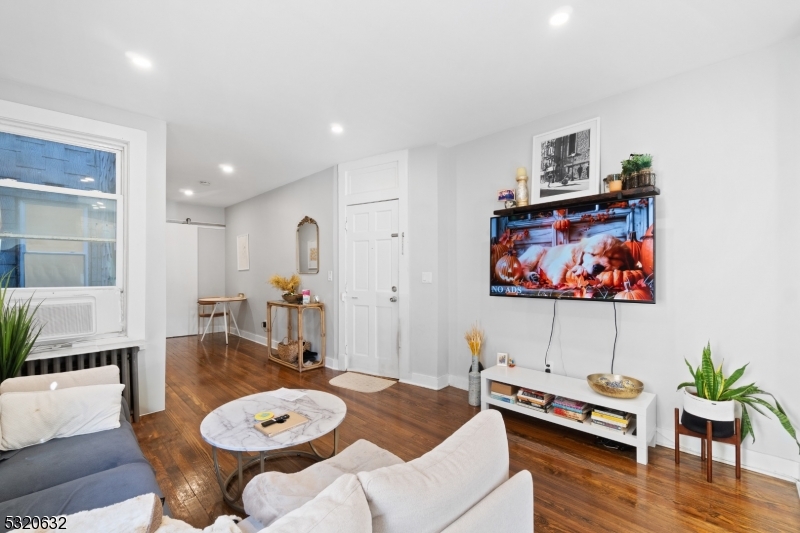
(696, 411)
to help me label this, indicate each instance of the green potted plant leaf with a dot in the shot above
(714, 399)
(645, 174)
(18, 331)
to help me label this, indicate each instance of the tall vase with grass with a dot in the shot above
(18, 331)
(474, 338)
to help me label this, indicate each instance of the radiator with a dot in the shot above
(125, 358)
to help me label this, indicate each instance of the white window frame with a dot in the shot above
(130, 146)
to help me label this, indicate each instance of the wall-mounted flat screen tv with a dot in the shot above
(591, 252)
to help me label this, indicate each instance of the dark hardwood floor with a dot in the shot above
(578, 485)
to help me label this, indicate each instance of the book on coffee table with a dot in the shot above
(294, 420)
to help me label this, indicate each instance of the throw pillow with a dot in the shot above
(102, 375)
(28, 418)
(340, 508)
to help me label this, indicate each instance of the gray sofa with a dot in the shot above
(68, 475)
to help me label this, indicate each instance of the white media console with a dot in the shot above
(643, 406)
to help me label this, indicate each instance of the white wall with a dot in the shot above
(211, 262)
(198, 213)
(152, 357)
(271, 221)
(725, 140)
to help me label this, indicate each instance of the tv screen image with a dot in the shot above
(594, 252)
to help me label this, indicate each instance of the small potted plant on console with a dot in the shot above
(714, 398)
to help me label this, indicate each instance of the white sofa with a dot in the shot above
(460, 486)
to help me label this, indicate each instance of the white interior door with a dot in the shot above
(181, 280)
(371, 289)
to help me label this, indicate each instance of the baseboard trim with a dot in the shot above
(459, 382)
(758, 462)
(428, 382)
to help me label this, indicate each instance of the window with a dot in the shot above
(60, 214)
(572, 143)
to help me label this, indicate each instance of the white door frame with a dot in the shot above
(367, 189)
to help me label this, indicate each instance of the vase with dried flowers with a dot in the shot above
(474, 337)
(288, 287)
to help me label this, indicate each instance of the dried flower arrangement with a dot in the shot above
(286, 285)
(474, 337)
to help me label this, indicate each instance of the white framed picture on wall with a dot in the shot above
(243, 252)
(566, 163)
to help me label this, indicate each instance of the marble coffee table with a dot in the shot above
(230, 428)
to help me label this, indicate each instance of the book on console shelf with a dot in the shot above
(544, 397)
(541, 407)
(533, 401)
(622, 422)
(503, 397)
(611, 414)
(574, 406)
(572, 415)
(614, 427)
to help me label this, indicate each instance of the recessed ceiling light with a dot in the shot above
(87, 179)
(139, 61)
(560, 17)
(206, 183)
(101, 206)
(188, 192)
(99, 203)
(95, 207)
(337, 128)
(227, 169)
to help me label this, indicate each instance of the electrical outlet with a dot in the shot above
(264, 324)
(427, 277)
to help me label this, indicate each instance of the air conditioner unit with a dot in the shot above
(65, 318)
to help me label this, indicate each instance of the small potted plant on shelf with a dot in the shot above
(714, 398)
(18, 331)
(288, 287)
(637, 171)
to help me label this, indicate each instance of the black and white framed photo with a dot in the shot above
(566, 163)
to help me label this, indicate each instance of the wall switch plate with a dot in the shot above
(427, 277)
(330, 275)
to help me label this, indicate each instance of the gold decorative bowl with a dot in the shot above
(615, 385)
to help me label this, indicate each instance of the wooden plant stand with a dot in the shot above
(705, 443)
(299, 309)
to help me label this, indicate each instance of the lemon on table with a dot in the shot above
(263, 415)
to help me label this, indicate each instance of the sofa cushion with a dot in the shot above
(427, 494)
(58, 461)
(141, 514)
(339, 508)
(89, 492)
(271, 495)
(507, 509)
(29, 418)
(102, 375)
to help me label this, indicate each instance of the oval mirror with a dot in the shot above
(307, 246)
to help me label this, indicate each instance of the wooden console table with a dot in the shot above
(643, 406)
(299, 309)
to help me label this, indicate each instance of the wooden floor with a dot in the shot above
(578, 485)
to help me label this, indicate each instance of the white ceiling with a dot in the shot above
(257, 83)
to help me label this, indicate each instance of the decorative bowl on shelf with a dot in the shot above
(615, 385)
(293, 298)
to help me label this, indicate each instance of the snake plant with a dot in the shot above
(713, 385)
(18, 331)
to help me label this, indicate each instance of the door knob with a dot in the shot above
(393, 299)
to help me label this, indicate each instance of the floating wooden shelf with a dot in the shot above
(630, 194)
